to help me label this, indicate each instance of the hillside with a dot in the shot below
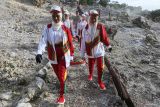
(136, 55)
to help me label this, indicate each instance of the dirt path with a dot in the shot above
(138, 62)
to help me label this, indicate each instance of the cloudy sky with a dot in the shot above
(145, 4)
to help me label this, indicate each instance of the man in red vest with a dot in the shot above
(93, 37)
(58, 40)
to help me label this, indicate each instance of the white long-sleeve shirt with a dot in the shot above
(96, 36)
(54, 36)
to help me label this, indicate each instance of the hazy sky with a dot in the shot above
(145, 4)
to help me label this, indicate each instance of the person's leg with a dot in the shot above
(100, 66)
(61, 72)
(55, 68)
(62, 78)
(91, 62)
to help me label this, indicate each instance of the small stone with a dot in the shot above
(31, 92)
(23, 82)
(6, 96)
(39, 82)
(145, 61)
(24, 100)
(48, 65)
(12, 54)
(24, 105)
(42, 73)
(5, 103)
(11, 65)
(1, 104)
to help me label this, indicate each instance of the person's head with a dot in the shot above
(93, 16)
(77, 13)
(66, 14)
(83, 17)
(56, 13)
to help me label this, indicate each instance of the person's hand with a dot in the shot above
(110, 49)
(78, 38)
(38, 58)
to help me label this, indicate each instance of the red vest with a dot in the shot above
(59, 48)
(95, 41)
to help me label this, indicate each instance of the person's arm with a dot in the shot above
(42, 45)
(43, 41)
(70, 42)
(105, 38)
(83, 47)
(72, 29)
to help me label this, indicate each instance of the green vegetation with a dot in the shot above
(116, 5)
(91, 2)
(88, 2)
(155, 15)
(104, 3)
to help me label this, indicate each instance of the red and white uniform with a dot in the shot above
(93, 38)
(69, 24)
(58, 41)
(53, 37)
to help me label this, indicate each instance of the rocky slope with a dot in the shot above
(23, 83)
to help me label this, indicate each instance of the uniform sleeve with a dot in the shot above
(104, 37)
(72, 29)
(70, 42)
(83, 47)
(43, 41)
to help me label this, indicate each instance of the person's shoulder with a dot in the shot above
(100, 25)
(65, 28)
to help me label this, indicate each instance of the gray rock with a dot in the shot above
(145, 61)
(31, 92)
(38, 3)
(40, 82)
(36, 88)
(24, 105)
(6, 96)
(48, 65)
(1, 104)
(42, 73)
(24, 100)
(151, 39)
(12, 54)
(4, 103)
(141, 22)
(23, 81)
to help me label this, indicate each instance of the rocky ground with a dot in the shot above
(23, 83)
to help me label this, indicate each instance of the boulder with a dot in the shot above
(38, 3)
(141, 22)
(151, 39)
(6, 96)
(42, 73)
(112, 31)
